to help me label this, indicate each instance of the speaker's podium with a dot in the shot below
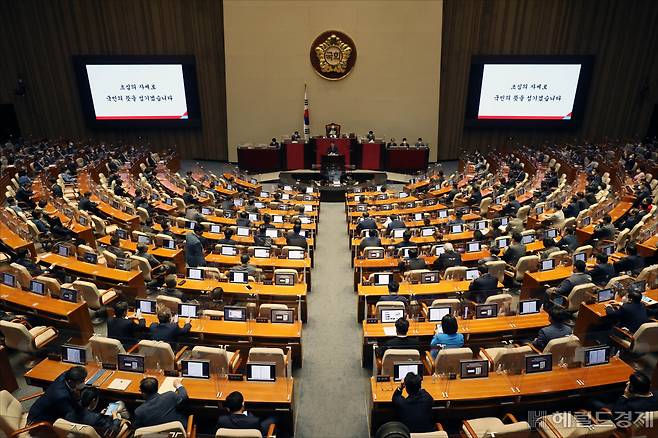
(322, 144)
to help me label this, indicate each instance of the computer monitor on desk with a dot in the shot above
(199, 369)
(547, 265)
(472, 274)
(188, 310)
(69, 295)
(215, 228)
(529, 307)
(596, 356)
(133, 363)
(580, 256)
(282, 316)
(121, 233)
(388, 315)
(38, 287)
(429, 277)
(63, 250)
(486, 311)
(262, 253)
(471, 369)
(605, 295)
(284, 279)
(261, 372)
(145, 306)
(8, 279)
(398, 233)
(455, 229)
(74, 354)
(436, 314)
(381, 279)
(473, 246)
(296, 254)
(194, 273)
(228, 250)
(141, 238)
(401, 369)
(238, 277)
(442, 214)
(538, 363)
(235, 313)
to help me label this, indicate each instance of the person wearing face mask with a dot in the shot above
(61, 397)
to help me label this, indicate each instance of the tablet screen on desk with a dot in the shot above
(427, 232)
(235, 313)
(74, 354)
(454, 229)
(436, 314)
(504, 221)
(146, 306)
(551, 232)
(471, 369)
(191, 225)
(168, 243)
(196, 368)
(580, 256)
(528, 307)
(438, 250)
(238, 277)
(70, 295)
(486, 311)
(528, 238)
(121, 233)
(398, 232)
(390, 315)
(295, 254)
(261, 372)
(261, 253)
(133, 363)
(277, 219)
(304, 219)
(141, 238)
(37, 287)
(473, 247)
(382, 279)
(429, 277)
(472, 274)
(242, 231)
(596, 356)
(272, 233)
(480, 225)
(8, 279)
(284, 279)
(83, 220)
(206, 210)
(604, 295)
(63, 250)
(401, 369)
(124, 264)
(90, 257)
(502, 243)
(443, 214)
(547, 265)
(195, 273)
(253, 217)
(607, 249)
(188, 310)
(538, 363)
(215, 228)
(375, 254)
(228, 250)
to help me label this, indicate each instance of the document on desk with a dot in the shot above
(119, 384)
(389, 330)
(167, 385)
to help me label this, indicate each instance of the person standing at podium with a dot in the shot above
(333, 149)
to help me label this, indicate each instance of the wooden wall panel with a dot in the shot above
(40, 37)
(621, 34)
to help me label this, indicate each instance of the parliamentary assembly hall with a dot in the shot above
(329, 218)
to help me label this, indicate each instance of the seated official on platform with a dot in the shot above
(333, 149)
(159, 408)
(123, 329)
(415, 410)
(448, 336)
(400, 340)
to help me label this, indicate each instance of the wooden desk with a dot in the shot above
(584, 234)
(85, 233)
(533, 281)
(419, 224)
(401, 211)
(131, 282)
(14, 241)
(293, 296)
(242, 183)
(117, 216)
(477, 332)
(648, 247)
(242, 334)
(499, 393)
(66, 316)
(592, 316)
(203, 393)
(303, 265)
(174, 255)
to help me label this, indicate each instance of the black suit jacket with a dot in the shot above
(125, 330)
(240, 421)
(161, 408)
(399, 343)
(56, 402)
(168, 332)
(602, 273)
(415, 411)
(486, 282)
(293, 239)
(514, 253)
(447, 260)
(629, 315)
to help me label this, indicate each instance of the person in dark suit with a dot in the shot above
(188, 198)
(415, 410)
(632, 262)
(401, 340)
(406, 241)
(634, 217)
(393, 288)
(572, 209)
(569, 241)
(448, 259)
(23, 259)
(194, 255)
(413, 262)
(333, 149)
(512, 206)
(631, 315)
(85, 203)
(366, 223)
(293, 238)
(515, 251)
(483, 286)
(395, 223)
(104, 425)
(557, 329)
(603, 271)
(167, 330)
(371, 240)
(243, 220)
(38, 221)
(60, 398)
(123, 329)
(228, 238)
(114, 247)
(605, 230)
(170, 289)
(636, 399)
(159, 408)
(238, 418)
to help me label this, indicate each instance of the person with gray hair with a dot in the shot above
(448, 259)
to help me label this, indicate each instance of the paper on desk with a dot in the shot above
(167, 385)
(389, 331)
(119, 384)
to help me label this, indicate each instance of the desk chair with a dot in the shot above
(563, 348)
(644, 340)
(265, 309)
(297, 278)
(587, 249)
(396, 355)
(455, 273)
(578, 295)
(245, 433)
(650, 275)
(158, 353)
(13, 420)
(84, 249)
(19, 335)
(169, 302)
(105, 349)
(622, 238)
(508, 427)
(143, 214)
(110, 259)
(219, 358)
(214, 314)
(145, 268)
(180, 205)
(448, 360)
(566, 425)
(102, 228)
(619, 283)
(66, 429)
(369, 250)
(510, 359)
(283, 362)
(173, 428)
(94, 297)
(504, 302)
(454, 303)
(559, 256)
(414, 275)
(386, 305)
(23, 278)
(485, 203)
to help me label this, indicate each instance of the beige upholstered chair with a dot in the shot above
(578, 295)
(559, 256)
(219, 358)
(587, 249)
(173, 428)
(105, 349)
(396, 355)
(94, 297)
(282, 361)
(157, 353)
(566, 425)
(497, 269)
(564, 347)
(286, 272)
(504, 302)
(644, 340)
(66, 429)
(510, 359)
(144, 266)
(388, 305)
(13, 421)
(369, 251)
(19, 337)
(23, 276)
(454, 303)
(170, 302)
(448, 359)
(455, 273)
(509, 427)
(525, 264)
(265, 309)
